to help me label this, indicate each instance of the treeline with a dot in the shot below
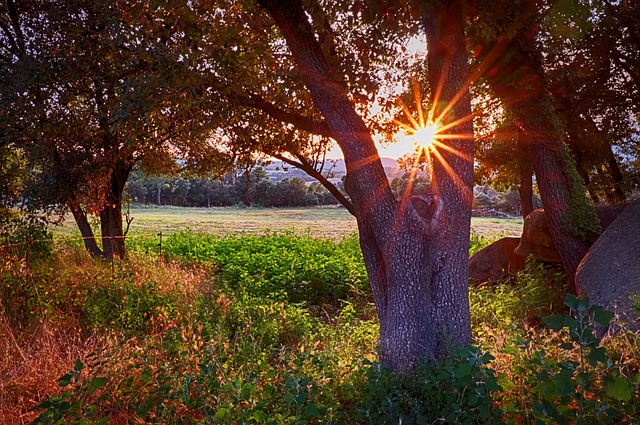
(251, 189)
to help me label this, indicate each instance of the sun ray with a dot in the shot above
(403, 125)
(407, 114)
(436, 95)
(455, 136)
(454, 123)
(452, 150)
(447, 168)
(418, 101)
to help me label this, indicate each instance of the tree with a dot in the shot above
(415, 248)
(517, 76)
(99, 87)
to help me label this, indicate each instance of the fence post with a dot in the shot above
(160, 235)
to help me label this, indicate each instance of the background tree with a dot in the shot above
(96, 88)
(515, 72)
(592, 91)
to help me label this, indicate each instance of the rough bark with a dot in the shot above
(582, 171)
(525, 189)
(415, 249)
(90, 244)
(113, 239)
(571, 222)
(616, 176)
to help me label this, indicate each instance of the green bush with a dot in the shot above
(124, 306)
(280, 267)
(508, 306)
(575, 380)
(24, 237)
(456, 390)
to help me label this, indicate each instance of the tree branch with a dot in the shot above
(307, 168)
(301, 122)
(15, 22)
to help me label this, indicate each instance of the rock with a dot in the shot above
(488, 212)
(610, 272)
(495, 261)
(536, 238)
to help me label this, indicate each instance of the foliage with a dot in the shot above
(198, 192)
(535, 293)
(579, 382)
(76, 401)
(124, 306)
(278, 266)
(24, 237)
(457, 390)
(199, 340)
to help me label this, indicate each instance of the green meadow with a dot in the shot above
(265, 317)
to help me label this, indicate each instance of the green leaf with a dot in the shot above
(596, 355)
(99, 382)
(505, 382)
(313, 412)
(463, 370)
(554, 322)
(222, 412)
(564, 385)
(78, 366)
(546, 389)
(65, 380)
(602, 316)
(571, 301)
(619, 389)
(259, 416)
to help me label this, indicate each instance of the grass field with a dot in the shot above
(317, 221)
(274, 325)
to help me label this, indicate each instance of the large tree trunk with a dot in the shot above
(525, 189)
(616, 176)
(415, 250)
(571, 221)
(583, 172)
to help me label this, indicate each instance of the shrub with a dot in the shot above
(280, 267)
(575, 381)
(124, 306)
(24, 237)
(458, 390)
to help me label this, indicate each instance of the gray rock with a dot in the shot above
(610, 272)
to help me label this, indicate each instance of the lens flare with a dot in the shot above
(424, 137)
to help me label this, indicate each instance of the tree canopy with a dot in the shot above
(100, 88)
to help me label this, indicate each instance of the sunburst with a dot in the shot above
(432, 137)
(424, 137)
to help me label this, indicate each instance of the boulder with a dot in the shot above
(495, 261)
(610, 272)
(536, 238)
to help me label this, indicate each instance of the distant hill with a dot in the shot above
(334, 168)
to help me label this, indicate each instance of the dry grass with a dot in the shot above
(32, 360)
(33, 356)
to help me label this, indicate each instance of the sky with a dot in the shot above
(405, 143)
(390, 150)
